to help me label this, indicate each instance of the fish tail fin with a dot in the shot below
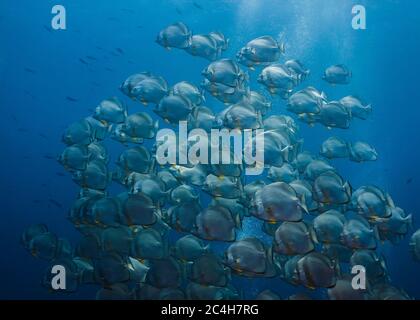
(285, 152)
(337, 268)
(228, 273)
(297, 79)
(409, 221)
(238, 221)
(153, 167)
(159, 211)
(218, 52)
(270, 252)
(348, 188)
(376, 234)
(125, 111)
(303, 203)
(166, 194)
(282, 47)
(260, 120)
(246, 76)
(312, 234)
(390, 201)
(383, 263)
(109, 176)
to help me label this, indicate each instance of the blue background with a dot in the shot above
(40, 67)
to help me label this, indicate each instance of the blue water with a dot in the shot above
(34, 111)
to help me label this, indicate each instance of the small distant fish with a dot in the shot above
(178, 11)
(109, 69)
(56, 203)
(131, 62)
(36, 201)
(48, 28)
(71, 99)
(83, 61)
(409, 180)
(119, 50)
(99, 48)
(29, 94)
(22, 130)
(197, 5)
(140, 27)
(43, 136)
(49, 156)
(30, 70)
(26, 157)
(91, 58)
(60, 174)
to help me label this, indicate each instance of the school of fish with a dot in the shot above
(154, 240)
